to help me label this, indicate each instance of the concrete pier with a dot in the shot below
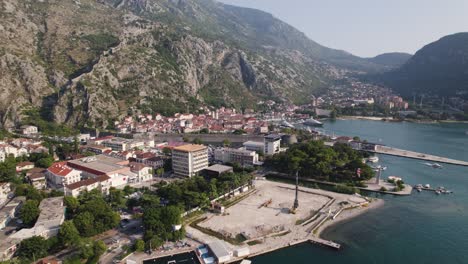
(416, 155)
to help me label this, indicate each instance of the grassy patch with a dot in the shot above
(254, 242)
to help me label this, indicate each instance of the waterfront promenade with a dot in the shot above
(416, 155)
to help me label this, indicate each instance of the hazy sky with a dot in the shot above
(369, 27)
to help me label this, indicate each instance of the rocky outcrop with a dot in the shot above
(90, 62)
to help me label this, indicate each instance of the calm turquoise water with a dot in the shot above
(422, 228)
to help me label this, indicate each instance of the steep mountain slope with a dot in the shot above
(392, 59)
(439, 68)
(245, 27)
(89, 62)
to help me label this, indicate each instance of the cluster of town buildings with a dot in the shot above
(223, 120)
(18, 147)
(355, 93)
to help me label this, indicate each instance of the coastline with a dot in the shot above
(344, 217)
(347, 215)
(297, 235)
(391, 119)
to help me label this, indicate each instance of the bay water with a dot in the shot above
(421, 228)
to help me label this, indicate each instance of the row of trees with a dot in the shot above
(198, 191)
(315, 160)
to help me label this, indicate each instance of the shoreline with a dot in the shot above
(348, 215)
(308, 233)
(343, 218)
(391, 120)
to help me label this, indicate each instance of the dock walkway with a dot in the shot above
(416, 155)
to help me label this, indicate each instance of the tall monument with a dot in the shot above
(296, 201)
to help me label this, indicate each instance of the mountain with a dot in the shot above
(392, 59)
(440, 68)
(90, 62)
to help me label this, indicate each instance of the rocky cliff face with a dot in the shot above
(88, 62)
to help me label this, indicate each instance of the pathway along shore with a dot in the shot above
(416, 155)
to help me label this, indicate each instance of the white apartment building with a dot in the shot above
(232, 155)
(188, 160)
(60, 174)
(272, 144)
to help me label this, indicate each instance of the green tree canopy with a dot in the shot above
(68, 234)
(29, 212)
(33, 248)
(139, 245)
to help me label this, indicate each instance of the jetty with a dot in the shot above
(416, 155)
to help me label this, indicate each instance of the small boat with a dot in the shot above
(373, 159)
(419, 189)
(433, 165)
(437, 192)
(427, 186)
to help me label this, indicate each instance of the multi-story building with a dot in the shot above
(143, 172)
(94, 166)
(188, 160)
(24, 166)
(242, 156)
(123, 144)
(101, 183)
(259, 147)
(272, 144)
(60, 174)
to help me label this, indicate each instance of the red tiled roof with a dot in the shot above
(87, 182)
(60, 169)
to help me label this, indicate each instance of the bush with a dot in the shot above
(139, 245)
(340, 188)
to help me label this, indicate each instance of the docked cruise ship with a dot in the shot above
(313, 122)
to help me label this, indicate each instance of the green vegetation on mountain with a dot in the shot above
(439, 68)
(89, 62)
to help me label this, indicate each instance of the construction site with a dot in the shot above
(267, 219)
